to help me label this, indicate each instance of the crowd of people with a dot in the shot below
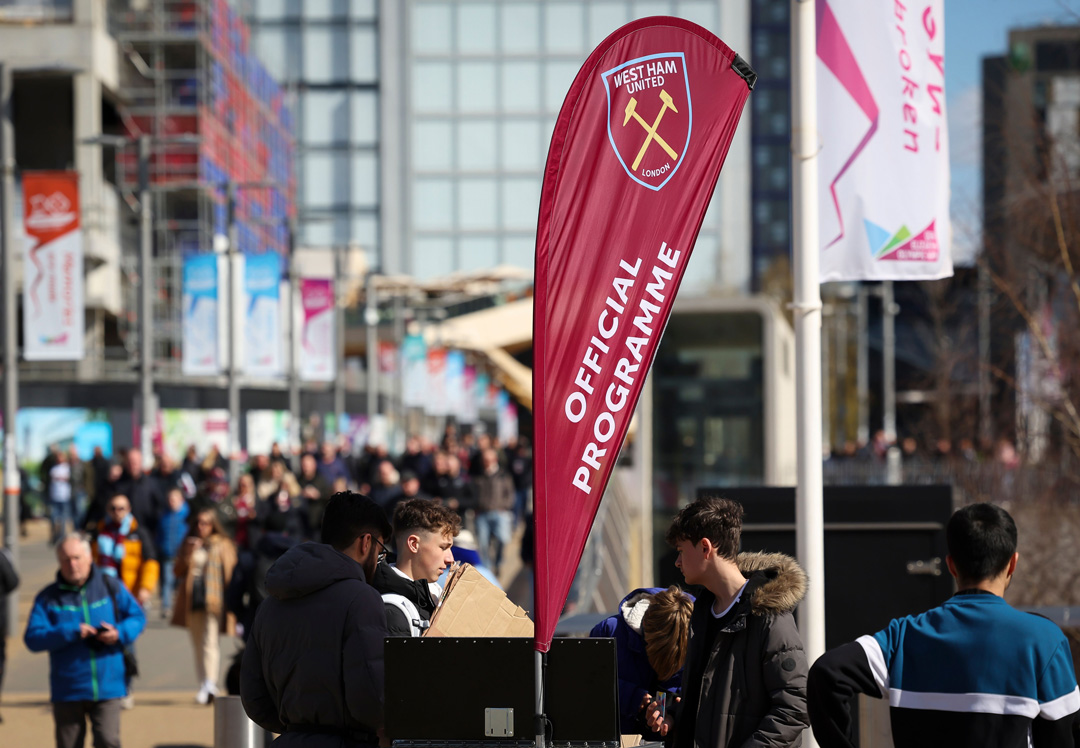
(727, 668)
(181, 541)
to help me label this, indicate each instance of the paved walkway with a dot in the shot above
(165, 713)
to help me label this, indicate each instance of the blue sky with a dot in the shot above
(975, 29)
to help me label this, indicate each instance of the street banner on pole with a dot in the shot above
(471, 409)
(436, 404)
(506, 423)
(455, 384)
(200, 355)
(884, 171)
(635, 156)
(53, 271)
(262, 320)
(317, 334)
(414, 370)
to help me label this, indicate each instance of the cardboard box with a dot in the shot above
(473, 606)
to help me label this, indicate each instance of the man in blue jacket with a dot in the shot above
(973, 672)
(84, 620)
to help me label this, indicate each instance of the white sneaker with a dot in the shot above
(203, 696)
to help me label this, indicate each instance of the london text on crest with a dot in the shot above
(649, 116)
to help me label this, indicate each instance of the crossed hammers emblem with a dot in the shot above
(631, 111)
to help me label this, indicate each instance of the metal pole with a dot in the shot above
(399, 380)
(826, 381)
(986, 428)
(893, 458)
(11, 359)
(810, 532)
(339, 337)
(888, 324)
(840, 321)
(541, 719)
(294, 355)
(146, 322)
(371, 319)
(862, 370)
(234, 339)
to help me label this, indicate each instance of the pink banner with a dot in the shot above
(317, 337)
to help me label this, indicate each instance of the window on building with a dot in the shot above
(520, 86)
(476, 146)
(478, 203)
(478, 252)
(431, 24)
(476, 28)
(433, 203)
(433, 257)
(365, 117)
(476, 86)
(324, 48)
(432, 87)
(364, 61)
(365, 179)
(520, 25)
(521, 145)
(433, 145)
(326, 117)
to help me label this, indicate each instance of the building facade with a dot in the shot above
(423, 126)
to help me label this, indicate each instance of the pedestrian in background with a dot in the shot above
(204, 569)
(9, 580)
(172, 530)
(494, 508)
(84, 620)
(60, 508)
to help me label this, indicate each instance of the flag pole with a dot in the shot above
(805, 144)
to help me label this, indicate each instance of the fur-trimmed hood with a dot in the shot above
(784, 587)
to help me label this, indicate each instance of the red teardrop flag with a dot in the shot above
(634, 159)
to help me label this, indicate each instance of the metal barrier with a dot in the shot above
(232, 728)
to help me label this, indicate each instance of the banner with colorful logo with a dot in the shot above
(455, 384)
(262, 328)
(506, 417)
(317, 337)
(471, 409)
(388, 358)
(436, 401)
(414, 369)
(53, 317)
(634, 159)
(199, 316)
(883, 171)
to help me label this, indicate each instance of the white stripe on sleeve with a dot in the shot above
(1062, 706)
(877, 662)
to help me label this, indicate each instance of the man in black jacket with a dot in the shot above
(744, 682)
(313, 667)
(424, 532)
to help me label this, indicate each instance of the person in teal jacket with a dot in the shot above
(84, 620)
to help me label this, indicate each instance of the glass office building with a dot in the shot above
(424, 124)
(325, 52)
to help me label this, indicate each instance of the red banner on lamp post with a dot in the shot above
(634, 159)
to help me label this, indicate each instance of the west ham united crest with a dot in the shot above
(649, 116)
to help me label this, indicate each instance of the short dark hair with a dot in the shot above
(425, 514)
(348, 515)
(719, 520)
(981, 540)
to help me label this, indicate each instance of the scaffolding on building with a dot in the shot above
(190, 81)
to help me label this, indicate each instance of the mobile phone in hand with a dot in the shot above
(661, 701)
